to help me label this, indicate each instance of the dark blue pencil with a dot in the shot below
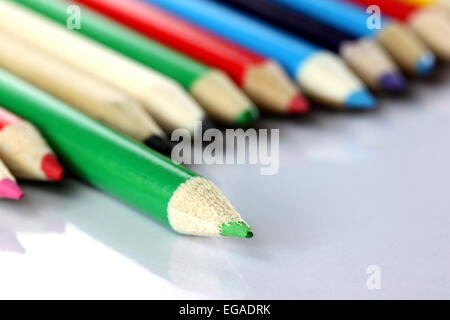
(379, 73)
(322, 75)
(407, 49)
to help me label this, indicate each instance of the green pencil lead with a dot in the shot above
(247, 117)
(236, 229)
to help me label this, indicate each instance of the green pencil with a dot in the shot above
(150, 182)
(215, 92)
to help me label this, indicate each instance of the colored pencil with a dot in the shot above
(442, 4)
(163, 98)
(322, 75)
(8, 185)
(96, 99)
(212, 89)
(24, 151)
(262, 79)
(366, 58)
(424, 2)
(430, 23)
(138, 175)
(399, 40)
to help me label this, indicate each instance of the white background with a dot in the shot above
(353, 190)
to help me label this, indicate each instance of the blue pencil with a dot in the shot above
(321, 74)
(365, 57)
(409, 51)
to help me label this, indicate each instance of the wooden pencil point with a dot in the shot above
(198, 207)
(238, 62)
(270, 87)
(372, 64)
(406, 48)
(444, 5)
(133, 173)
(213, 90)
(82, 91)
(25, 152)
(433, 26)
(224, 100)
(368, 67)
(313, 67)
(167, 102)
(430, 23)
(344, 89)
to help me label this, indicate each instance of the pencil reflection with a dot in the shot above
(12, 224)
(9, 242)
(31, 222)
(191, 263)
(203, 265)
(25, 217)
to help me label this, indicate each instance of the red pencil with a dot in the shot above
(24, 151)
(262, 79)
(431, 23)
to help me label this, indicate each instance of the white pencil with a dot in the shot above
(82, 91)
(322, 75)
(164, 99)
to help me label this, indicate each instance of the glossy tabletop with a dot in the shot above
(354, 190)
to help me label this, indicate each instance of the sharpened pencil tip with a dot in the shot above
(51, 168)
(426, 64)
(236, 229)
(361, 99)
(392, 82)
(299, 105)
(10, 190)
(247, 117)
(159, 144)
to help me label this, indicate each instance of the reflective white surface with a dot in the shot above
(353, 190)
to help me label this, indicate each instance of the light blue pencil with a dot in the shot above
(409, 51)
(322, 75)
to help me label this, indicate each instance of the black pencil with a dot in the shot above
(366, 57)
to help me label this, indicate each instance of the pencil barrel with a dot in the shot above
(131, 172)
(178, 67)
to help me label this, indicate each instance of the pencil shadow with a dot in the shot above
(440, 75)
(191, 263)
(30, 214)
(9, 242)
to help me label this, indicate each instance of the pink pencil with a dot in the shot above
(8, 186)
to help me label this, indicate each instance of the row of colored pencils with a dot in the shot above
(128, 72)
